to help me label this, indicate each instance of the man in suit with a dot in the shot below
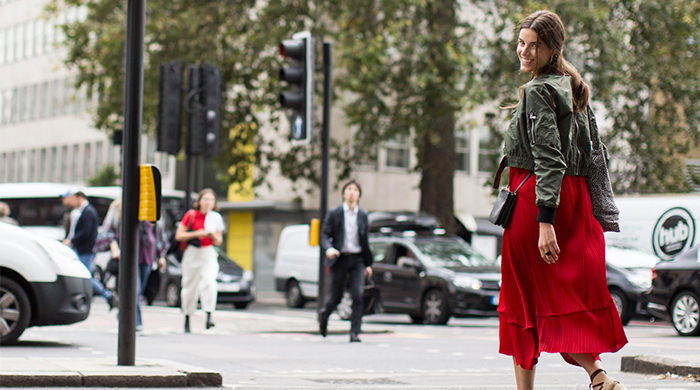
(82, 240)
(344, 240)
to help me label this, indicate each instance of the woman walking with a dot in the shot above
(554, 295)
(201, 228)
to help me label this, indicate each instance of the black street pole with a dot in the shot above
(325, 138)
(133, 111)
(193, 103)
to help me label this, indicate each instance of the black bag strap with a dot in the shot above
(593, 129)
(501, 167)
(521, 184)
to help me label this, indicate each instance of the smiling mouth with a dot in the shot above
(526, 62)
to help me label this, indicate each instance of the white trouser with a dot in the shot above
(199, 269)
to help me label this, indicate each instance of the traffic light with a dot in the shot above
(205, 113)
(301, 77)
(169, 108)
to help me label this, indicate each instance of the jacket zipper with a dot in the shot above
(533, 117)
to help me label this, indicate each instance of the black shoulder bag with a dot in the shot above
(505, 202)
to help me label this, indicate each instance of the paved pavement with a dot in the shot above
(104, 372)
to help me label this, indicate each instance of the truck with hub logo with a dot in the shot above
(662, 224)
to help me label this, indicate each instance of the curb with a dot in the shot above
(659, 365)
(103, 373)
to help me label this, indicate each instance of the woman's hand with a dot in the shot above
(549, 249)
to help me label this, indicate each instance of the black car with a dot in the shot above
(234, 284)
(675, 292)
(431, 277)
(629, 277)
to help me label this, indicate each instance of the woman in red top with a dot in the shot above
(199, 261)
(554, 295)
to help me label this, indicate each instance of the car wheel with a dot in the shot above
(15, 311)
(685, 314)
(435, 308)
(98, 274)
(344, 308)
(241, 305)
(172, 295)
(294, 297)
(621, 304)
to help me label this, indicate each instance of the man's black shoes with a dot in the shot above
(354, 338)
(323, 328)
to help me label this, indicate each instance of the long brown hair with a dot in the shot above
(550, 30)
(201, 194)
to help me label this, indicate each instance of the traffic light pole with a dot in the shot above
(133, 111)
(325, 138)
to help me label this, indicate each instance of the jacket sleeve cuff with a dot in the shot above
(546, 214)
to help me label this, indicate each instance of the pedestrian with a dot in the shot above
(153, 244)
(71, 215)
(200, 229)
(344, 240)
(554, 296)
(82, 239)
(5, 214)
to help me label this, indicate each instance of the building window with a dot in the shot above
(489, 150)
(397, 151)
(45, 108)
(462, 151)
(11, 168)
(31, 165)
(25, 102)
(19, 42)
(68, 97)
(9, 45)
(35, 105)
(3, 167)
(64, 164)
(21, 166)
(39, 36)
(57, 102)
(29, 39)
(87, 162)
(42, 165)
(98, 156)
(49, 30)
(75, 166)
(53, 164)
(14, 117)
(2, 46)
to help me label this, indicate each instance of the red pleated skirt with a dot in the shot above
(563, 307)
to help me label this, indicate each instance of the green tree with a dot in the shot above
(106, 177)
(405, 67)
(642, 59)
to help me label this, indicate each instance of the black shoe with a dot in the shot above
(209, 323)
(113, 302)
(187, 324)
(323, 328)
(355, 338)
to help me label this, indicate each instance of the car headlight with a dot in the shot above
(56, 250)
(247, 275)
(467, 282)
(224, 278)
(640, 281)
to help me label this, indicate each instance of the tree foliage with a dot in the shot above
(642, 59)
(403, 66)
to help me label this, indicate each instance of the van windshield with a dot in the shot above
(452, 254)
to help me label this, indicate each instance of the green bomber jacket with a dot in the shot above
(543, 137)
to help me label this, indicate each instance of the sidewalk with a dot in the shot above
(683, 366)
(102, 372)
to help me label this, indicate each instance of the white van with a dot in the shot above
(662, 224)
(42, 282)
(296, 266)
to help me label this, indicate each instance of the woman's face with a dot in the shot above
(207, 203)
(533, 55)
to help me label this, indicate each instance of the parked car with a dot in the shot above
(235, 284)
(432, 277)
(675, 292)
(42, 282)
(629, 277)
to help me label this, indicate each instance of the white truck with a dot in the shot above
(662, 224)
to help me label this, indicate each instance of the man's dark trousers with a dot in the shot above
(352, 266)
